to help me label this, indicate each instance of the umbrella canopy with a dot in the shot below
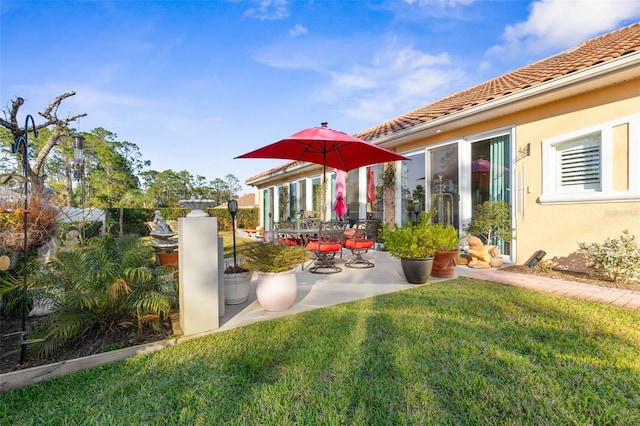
(331, 148)
(328, 147)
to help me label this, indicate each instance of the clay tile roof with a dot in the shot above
(591, 52)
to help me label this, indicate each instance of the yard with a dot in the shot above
(456, 352)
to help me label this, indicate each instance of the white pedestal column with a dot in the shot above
(199, 266)
(221, 306)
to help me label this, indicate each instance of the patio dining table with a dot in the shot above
(302, 234)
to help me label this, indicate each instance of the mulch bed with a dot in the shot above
(89, 344)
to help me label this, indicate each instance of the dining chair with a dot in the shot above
(284, 238)
(326, 246)
(360, 239)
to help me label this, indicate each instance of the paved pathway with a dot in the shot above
(612, 296)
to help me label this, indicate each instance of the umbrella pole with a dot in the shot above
(323, 205)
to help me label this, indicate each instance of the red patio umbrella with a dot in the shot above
(371, 188)
(331, 148)
(341, 193)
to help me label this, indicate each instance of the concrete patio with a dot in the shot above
(318, 290)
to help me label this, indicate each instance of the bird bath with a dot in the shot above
(197, 207)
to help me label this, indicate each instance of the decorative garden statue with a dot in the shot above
(162, 234)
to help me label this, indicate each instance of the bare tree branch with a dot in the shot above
(60, 131)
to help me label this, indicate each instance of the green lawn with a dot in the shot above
(456, 352)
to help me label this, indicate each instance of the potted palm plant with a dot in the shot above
(415, 246)
(446, 255)
(276, 285)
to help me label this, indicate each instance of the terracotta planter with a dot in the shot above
(168, 259)
(277, 291)
(444, 264)
(236, 287)
(417, 271)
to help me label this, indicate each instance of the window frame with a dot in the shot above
(552, 193)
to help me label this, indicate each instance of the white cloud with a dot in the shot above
(395, 80)
(268, 10)
(559, 24)
(297, 30)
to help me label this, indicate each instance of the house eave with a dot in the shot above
(612, 72)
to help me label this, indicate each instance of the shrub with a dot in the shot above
(491, 219)
(617, 260)
(415, 241)
(105, 286)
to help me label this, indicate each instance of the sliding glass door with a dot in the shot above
(490, 175)
(443, 181)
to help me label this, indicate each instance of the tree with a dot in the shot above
(35, 171)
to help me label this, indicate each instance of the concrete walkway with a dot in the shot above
(318, 290)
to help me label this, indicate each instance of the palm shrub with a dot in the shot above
(268, 257)
(106, 286)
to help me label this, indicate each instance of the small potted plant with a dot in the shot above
(276, 285)
(446, 255)
(492, 222)
(237, 282)
(415, 246)
(168, 257)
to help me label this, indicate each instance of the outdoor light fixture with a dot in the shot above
(535, 258)
(78, 156)
(20, 146)
(232, 205)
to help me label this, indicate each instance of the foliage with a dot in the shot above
(414, 241)
(268, 257)
(387, 178)
(447, 237)
(230, 268)
(107, 284)
(491, 219)
(460, 352)
(42, 223)
(616, 259)
(12, 287)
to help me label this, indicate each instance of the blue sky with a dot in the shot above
(196, 83)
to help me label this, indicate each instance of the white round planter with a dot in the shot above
(236, 288)
(277, 291)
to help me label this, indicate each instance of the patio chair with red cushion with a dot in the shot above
(283, 237)
(325, 246)
(360, 239)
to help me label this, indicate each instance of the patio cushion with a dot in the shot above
(325, 247)
(358, 243)
(289, 241)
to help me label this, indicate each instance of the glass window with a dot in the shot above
(596, 163)
(412, 192)
(578, 164)
(316, 189)
(443, 172)
(293, 200)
